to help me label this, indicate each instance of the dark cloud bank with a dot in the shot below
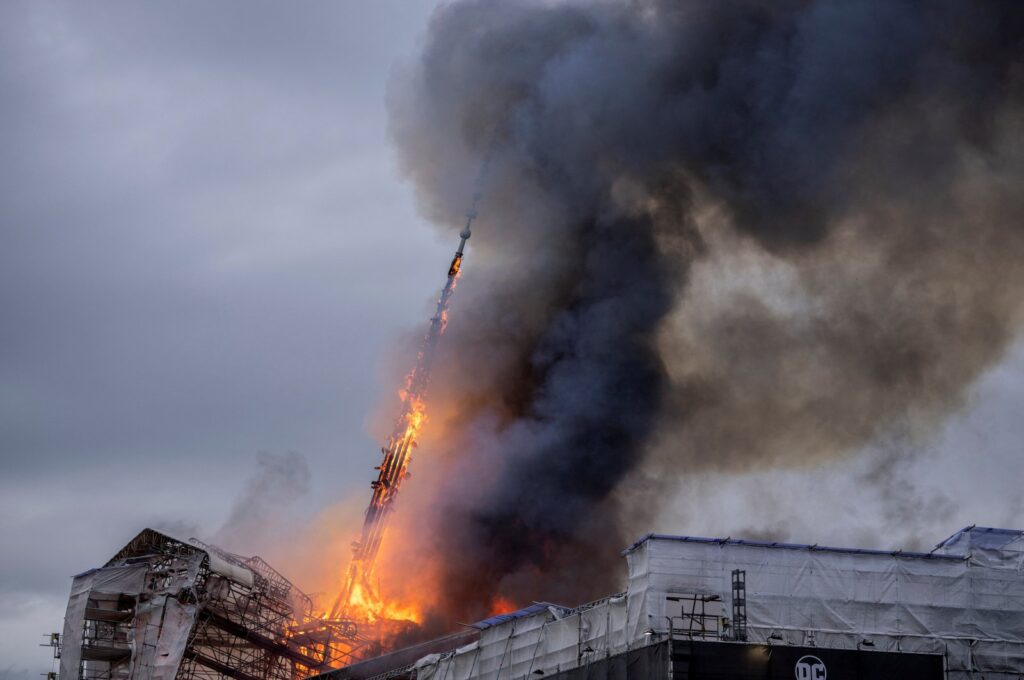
(860, 163)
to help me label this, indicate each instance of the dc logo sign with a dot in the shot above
(810, 668)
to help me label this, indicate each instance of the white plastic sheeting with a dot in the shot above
(86, 589)
(995, 548)
(71, 640)
(160, 635)
(969, 607)
(157, 633)
(236, 573)
(965, 602)
(548, 641)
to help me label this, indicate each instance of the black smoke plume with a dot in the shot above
(713, 234)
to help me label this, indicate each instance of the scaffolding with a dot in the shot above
(165, 609)
(739, 605)
(695, 615)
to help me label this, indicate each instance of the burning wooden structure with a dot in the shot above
(358, 599)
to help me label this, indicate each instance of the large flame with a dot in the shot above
(364, 598)
(372, 608)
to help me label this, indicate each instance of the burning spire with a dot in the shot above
(358, 595)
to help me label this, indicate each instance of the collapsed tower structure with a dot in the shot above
(165, 609)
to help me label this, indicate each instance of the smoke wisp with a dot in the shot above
(259, 515)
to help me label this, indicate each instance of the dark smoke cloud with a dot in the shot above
(714, 235)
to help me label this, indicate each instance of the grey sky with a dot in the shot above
(206, 252)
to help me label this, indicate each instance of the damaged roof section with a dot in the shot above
(166, 609)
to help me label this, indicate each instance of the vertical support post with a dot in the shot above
(671, 655)
(739, 604)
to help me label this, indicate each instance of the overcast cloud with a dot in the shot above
(206, 252)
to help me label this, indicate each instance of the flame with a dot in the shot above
(379, 594)
(456, 265)
(502, 605)
(356, 598)
(371, 608)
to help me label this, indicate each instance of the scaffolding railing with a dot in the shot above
(700, 617)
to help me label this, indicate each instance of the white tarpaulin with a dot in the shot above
(968, 604)
(161, 629)
(964, 601)
(537, 642)
(130, 611)
(86, 589)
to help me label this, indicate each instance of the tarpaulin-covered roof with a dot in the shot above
(988, 538)
(498, 619)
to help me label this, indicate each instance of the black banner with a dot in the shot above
(731, 661)
(713, 661)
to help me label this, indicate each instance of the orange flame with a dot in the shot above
(502, 605)
(360, 599)
(369, 607)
